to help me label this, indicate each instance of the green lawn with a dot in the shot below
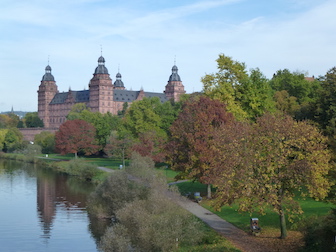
(105, 162)
(268, 221)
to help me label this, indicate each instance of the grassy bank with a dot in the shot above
(66, 164)
(268, 222)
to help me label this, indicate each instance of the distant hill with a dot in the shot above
(19, 113)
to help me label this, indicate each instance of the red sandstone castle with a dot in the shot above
(102, 96)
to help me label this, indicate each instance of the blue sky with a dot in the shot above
(143, 38)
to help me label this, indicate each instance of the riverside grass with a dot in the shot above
(269, 221)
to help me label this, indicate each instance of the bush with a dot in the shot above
(148, 221)
(320, 233)
(113, 194)
(78, 167)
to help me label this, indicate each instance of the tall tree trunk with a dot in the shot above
(209, 191)
(76, 155)
(282, 224)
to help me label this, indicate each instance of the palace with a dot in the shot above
(102, 96)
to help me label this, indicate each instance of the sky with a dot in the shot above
(143, 39)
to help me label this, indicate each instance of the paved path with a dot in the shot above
(239, 238)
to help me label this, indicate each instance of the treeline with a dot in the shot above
(258, 141)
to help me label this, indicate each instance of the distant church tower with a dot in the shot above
(46, 93)
(101, 88)
(174, 88)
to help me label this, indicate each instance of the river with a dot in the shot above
(41, 210)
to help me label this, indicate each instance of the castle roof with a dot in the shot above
(174, 76)
(118, 82)
(48, 76)
(79, 96)
(130, 96)
(101, 69)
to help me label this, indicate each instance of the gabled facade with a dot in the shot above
(103, 95)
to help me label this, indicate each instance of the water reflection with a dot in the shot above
(62, 222)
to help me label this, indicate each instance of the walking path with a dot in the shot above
(239, 238)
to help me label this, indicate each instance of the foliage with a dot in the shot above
(46, 140)
(285, 103)
(104, 123)
(190, 149)
(141, 117)
(153, 222)
(118, 147)
(266, 165)
(150, 145)
(326, 104)
(80, 168)
(113, 194)
(3, 133)
(319, 233)
(32, 120)
(76, 110)
(76, 136)
(8, 121)
(246, 95)
(13, 140)
(221, 85)
(255, 95)
(31, 151)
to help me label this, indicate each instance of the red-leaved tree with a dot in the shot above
(76, 136)
(191, 147)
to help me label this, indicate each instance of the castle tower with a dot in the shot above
(46, 93)
(101, 88)
(118, 84)
(174, 87)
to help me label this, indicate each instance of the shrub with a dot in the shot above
(320, 233)
(78, 167)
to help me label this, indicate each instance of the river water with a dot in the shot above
(41, 210)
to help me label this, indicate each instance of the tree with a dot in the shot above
(285, 103)
(222, 85)
(13, 140)
(268, 164)
(118, 147)
(295, 84)
(142, 117)
(326, 104)
(76, 136)
(255, 95)
(32, 120)
(46, 140)
(76, 110)
(104, 123)
(190, 148)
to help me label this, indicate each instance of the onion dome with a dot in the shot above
(101, 69)
(48, 76)
(118, 82)
(174, 76)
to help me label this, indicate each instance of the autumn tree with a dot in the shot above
(190, 148)
(272, 164)
(247, 94)
(104, 123)
(118, 147)
(76, 136)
